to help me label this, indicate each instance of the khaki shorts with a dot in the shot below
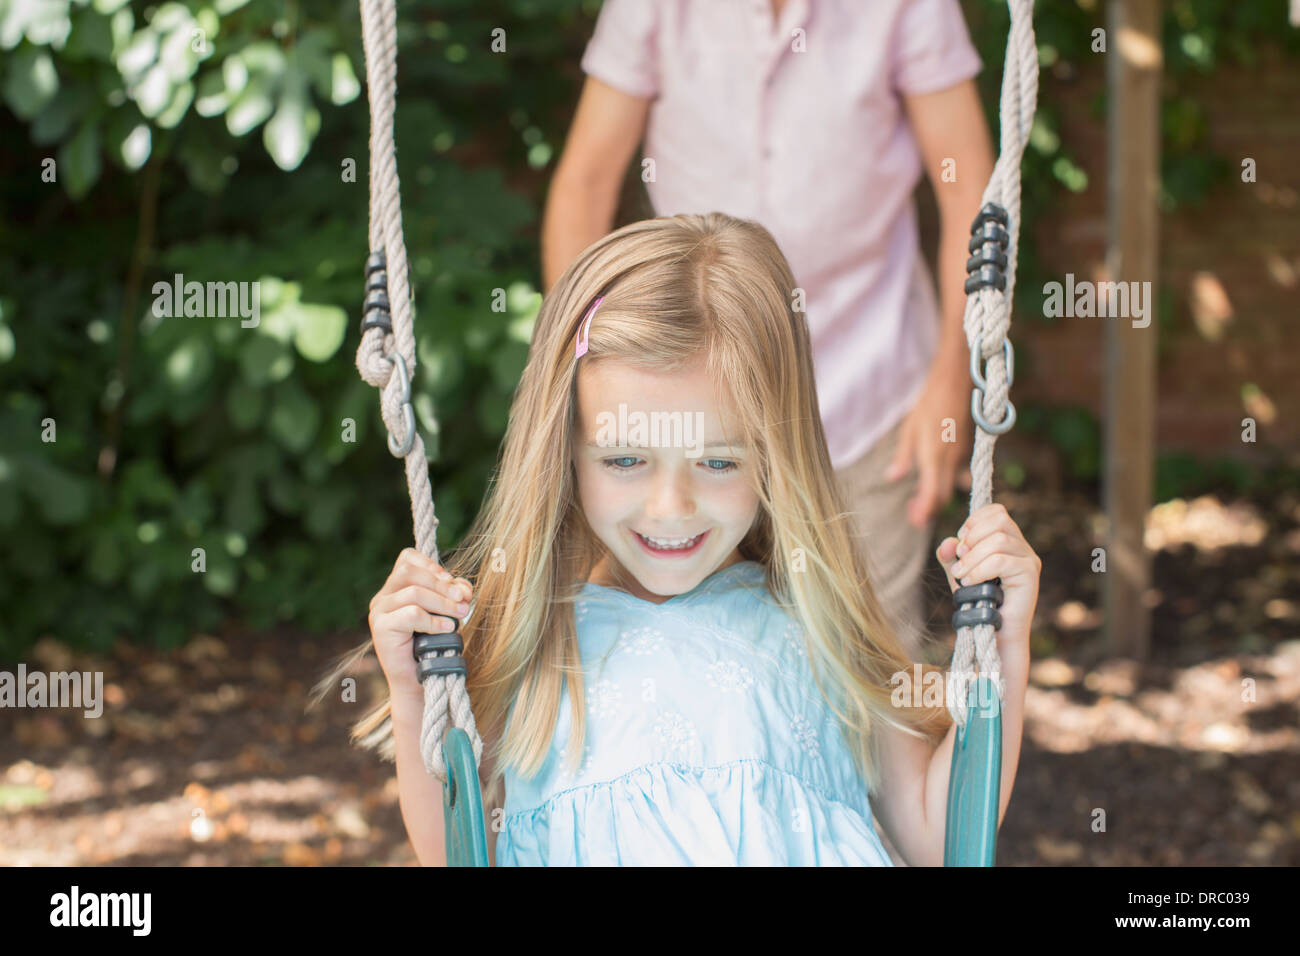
(896, 553)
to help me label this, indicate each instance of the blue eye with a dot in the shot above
(727, 465)
(610, 463)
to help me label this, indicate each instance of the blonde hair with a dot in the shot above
(674, 288)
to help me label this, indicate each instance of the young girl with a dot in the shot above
(675, 656)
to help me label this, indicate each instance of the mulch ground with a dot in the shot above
(206, 756)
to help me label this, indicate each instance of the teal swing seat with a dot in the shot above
(462, 803)
(974, 782)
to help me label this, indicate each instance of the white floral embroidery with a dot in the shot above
(582, 769)
(806, 734)
(604, 699)
(675, 731)
(794, 638)
(729, 676)
(642, 640)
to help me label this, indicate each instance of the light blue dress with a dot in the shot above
(708, 743)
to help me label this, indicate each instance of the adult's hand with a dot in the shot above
(921, 441)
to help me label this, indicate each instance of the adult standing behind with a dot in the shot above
(814, 118)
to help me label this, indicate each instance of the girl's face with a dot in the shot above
(660, 467)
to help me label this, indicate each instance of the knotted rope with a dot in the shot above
(986, 321)
(381, 354)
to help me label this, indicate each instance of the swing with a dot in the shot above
(449, 740)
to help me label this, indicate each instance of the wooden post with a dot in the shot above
(1133, 75)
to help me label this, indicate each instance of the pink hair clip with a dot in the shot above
(584, 330)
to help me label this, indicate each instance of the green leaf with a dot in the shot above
(319, 332)
(222, 574)
(189, 364)
(79, 160)
(263, 56)
(136, 147)
(137, 55)
(311, 57)
(275, 295)
(1042, 137)
(177, 53)
(212, 98)
(122, 25)
(170, 17)
(279, 308)
(129, 141)
(91, 37)
(144, 482)
(153, 92)
(11, 25)
(207, 20)
(264, 360)
(289, 134)
(344, 87)
(181, 97)
(31, 82)
(294, 419)
(53, 122)
(47, 23)
(194, 506)
(234, 74)
(1070, 175)
(250, 108)
(63, 497)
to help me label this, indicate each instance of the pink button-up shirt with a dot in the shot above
(816, 146)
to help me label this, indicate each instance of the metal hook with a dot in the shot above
(402, 449)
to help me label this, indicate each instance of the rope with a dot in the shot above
(446, 702)
(987, 319)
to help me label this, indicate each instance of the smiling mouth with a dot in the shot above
(670, 546)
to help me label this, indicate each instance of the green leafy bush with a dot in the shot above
(227, 142)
